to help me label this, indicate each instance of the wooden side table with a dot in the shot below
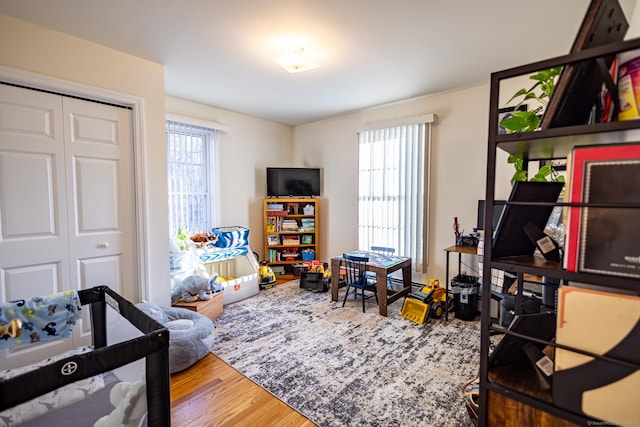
(211, 308)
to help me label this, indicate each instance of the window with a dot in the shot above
(192, 174)
(393, 190)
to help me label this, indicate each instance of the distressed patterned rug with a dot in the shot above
(341, 367)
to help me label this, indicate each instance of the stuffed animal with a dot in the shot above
(194, 288)
(130, 402)
(12, 330)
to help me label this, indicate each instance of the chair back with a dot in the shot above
(355, 268)
(383, 250)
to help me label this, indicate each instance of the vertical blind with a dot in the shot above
(191, 159)
(393, 191)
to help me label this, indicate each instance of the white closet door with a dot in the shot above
(66, 204)
(98, 147)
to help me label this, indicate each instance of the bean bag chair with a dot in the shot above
(191, 334)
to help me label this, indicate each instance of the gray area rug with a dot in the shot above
(341, 367)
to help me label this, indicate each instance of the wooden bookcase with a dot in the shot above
(513, 396)
(290, 231)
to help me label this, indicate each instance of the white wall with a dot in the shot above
(459, 153)
(459, 148)
(32, 48)
(250, 145)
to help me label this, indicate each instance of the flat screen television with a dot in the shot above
(510, 238)
(497, 211)
(295, 182)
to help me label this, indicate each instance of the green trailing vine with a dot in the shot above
(529, 121)
(545, 173)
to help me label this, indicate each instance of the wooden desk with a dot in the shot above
(469, 250)
(382, 265)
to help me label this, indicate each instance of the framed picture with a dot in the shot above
(503, 113)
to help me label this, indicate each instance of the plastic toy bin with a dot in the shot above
(239, 268)
(308, 255)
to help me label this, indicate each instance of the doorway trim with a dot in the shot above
(66, 87)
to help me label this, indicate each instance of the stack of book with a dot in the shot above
(289, 225)
(308, 224)
(275, 207)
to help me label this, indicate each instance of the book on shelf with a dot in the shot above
(308, 224)
(271, 224)
(289, 225)
(272, 255)
(603, 239)
(602, 323)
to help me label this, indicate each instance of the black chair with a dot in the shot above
(356, 278)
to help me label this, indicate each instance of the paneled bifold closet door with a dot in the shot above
(67, 212)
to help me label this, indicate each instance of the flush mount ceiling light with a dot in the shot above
(296, 61)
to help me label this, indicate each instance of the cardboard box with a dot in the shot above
(602, 323)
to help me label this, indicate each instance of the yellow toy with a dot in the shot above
(430, 301)
(267, 278)
(13, 329)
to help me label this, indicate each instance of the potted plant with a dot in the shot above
(529, 121)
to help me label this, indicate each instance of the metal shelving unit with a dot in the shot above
(504, 386)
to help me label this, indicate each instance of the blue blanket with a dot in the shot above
(39, 318)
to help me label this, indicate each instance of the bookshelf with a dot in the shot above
(512, 394)
(290, 231)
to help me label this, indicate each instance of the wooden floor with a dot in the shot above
(212, 393)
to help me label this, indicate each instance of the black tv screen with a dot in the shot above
(509, 238)
(296, 182)
(497, 211)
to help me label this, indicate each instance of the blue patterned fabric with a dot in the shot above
(222, 254)
(231, 237)
(39, 318)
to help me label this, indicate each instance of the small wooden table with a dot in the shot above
(382, 265)
(469, 250)
(212, 308)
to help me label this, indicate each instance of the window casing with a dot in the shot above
(393, 190)
(192, 175)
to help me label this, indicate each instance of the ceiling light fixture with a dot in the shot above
(296, 61)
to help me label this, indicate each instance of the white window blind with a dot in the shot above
(192, 173)
(393, 190)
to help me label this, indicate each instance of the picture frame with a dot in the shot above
(273, 239)
(503, 113)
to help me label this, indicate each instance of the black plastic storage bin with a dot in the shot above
(465, 296)
(312, 281)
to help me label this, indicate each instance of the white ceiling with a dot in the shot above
(371, 52)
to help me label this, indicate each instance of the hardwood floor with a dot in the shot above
(212, 393)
